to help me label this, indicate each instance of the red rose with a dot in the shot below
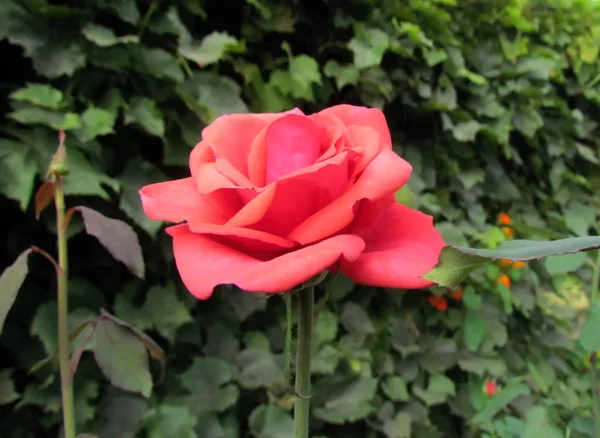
(275, 199)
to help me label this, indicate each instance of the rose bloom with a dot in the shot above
(275, 199)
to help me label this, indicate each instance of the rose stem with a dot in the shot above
(594, 364)
(66, 377)
(305, 328)
(287, 353)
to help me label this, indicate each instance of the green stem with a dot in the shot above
(66, 377)
(305, 328)
(287, 352)
(594, 364)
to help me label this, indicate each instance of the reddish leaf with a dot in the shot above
(44, 197)
(117, 237)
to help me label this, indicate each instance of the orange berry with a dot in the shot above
(518, 265)
(438, 302)
(490, 388)
(456, 294)
(506, 263)
(508, 232)
(504, 219)
(504, 280)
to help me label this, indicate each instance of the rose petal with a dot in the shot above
(256, 243)
(293, 142)
(204, 263)
(362, 116)
(299, 195)
(230, 136)
(176, 201)
(385, 174)
(401, 246)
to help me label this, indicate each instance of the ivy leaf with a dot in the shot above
(144, 112)
(474, 329)
(355, 319)
(369, 48)
(41, 95)
(395, 388)
(96, 122)
(344, 399)
(122, 357)
(58, 121)
(8, 394)
(17, 173)
(117, 237)
(466, 131)
(11, 281)
(538, 424)
(270, 421)
(171, 420)
(565, 263)
(343, 74)
(162, 310)
(126, 10)
(210, 96)
(105, 37)
(138, 173)
(590, 335)
(120, 413)
(438, 390)
(158, 63)
(208, 380)
(527, 120)
(258, 368)
(212, 48)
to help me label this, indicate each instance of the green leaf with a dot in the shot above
(39, 116)
(121, 414)
(395, 388)
(438, 390)
(258, 368)
(212, 48)
(538, 424)
(8, 394)
(500, 400)
(117, 237)
(355, 319)
(474, 329)
(10, 282)
(456, 262)
(139, 173)
(270, 421)
(565, 263)
(466, 131)
(579, 217)
(96, 122)
(162, 310)
(369, 47)
(302, 73)
(344, 399)
(171, 420)
(158, 63)
(208, 381)
(343, 74)
(527, 120)
(145, 113)
(40, 94)
(105, 37)
(589, 337)
(122, 357)
(17, 173)
(210, 96)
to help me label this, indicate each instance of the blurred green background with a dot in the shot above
(495, 103)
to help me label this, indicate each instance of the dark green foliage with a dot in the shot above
(494, 103)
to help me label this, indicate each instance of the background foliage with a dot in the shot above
(495, 103)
